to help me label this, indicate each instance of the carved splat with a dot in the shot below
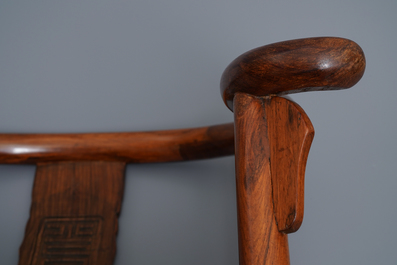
(74, 212)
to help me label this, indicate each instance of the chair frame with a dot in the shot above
(79, 182)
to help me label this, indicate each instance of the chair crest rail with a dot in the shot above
(128, 147)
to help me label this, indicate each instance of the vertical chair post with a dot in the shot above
(273, 137)
(273, 134)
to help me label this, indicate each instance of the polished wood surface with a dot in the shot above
(260, 241)
(136, 147)
(273, 138)
(290, 134)
(79, 184)
(325, 63)
(273, 135)
(74, 214)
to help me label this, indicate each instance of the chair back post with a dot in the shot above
(273, 134)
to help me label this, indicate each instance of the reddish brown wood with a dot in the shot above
(290, 134)
(75, 204)
(273, 137)
(260, 241)
(137, 147)
(293, 66)
(73, 217)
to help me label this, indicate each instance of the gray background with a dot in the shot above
(101, 66)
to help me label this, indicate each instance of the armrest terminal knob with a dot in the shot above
(324, 63)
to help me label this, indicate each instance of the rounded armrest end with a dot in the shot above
(311, 64)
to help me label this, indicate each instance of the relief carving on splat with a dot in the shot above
(67, 241)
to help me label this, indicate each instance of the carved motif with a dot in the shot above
(67, 241)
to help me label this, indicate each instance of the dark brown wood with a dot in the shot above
(136, 147)
(273, 137)
(74, 212)
(75, 204)
(325, 63)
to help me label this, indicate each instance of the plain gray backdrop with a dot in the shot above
(105, 66)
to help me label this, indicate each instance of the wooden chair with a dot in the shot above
(79, 179)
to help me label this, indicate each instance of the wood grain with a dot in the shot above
(136, 147)
(273, 138)
(290, 134)
(74, 212)
(80, 177)
(76, 201)
(325, 63)
(260, 241)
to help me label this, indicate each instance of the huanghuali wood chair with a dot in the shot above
(79, 180)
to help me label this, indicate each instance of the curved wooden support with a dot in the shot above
(79, 184)
(136, 147)
(325, 63)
